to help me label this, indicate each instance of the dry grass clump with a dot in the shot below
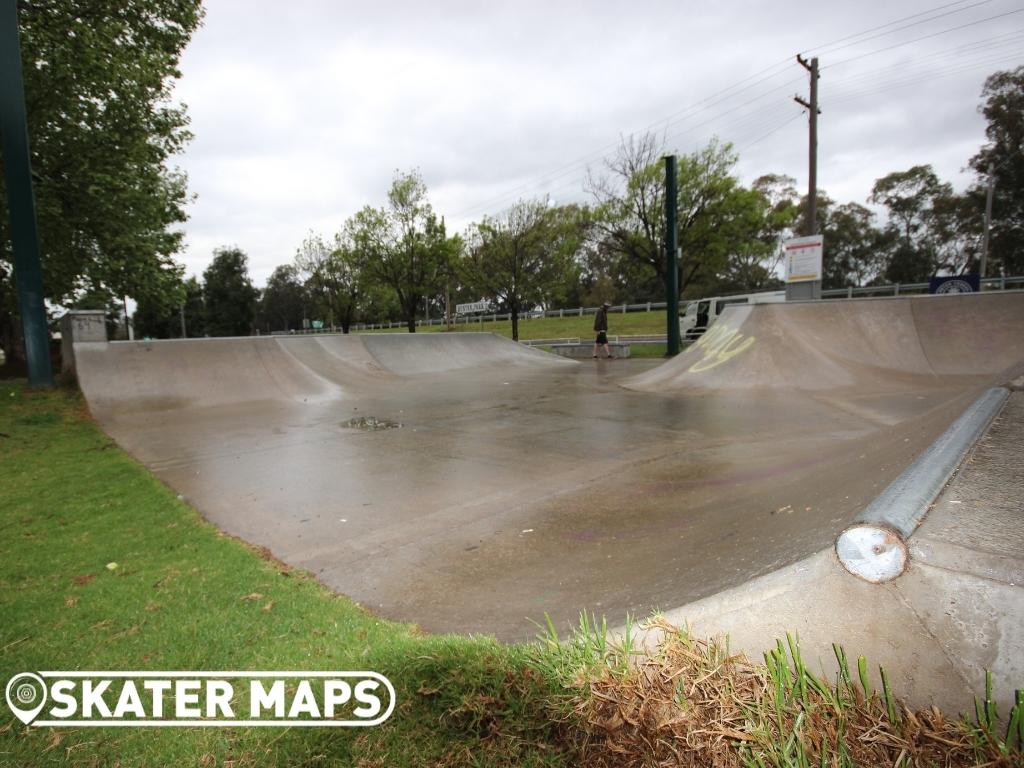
(693, 703)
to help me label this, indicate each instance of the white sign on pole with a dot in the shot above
(803, 258)
(476, 306)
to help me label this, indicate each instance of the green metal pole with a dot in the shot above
(18, 174)
(672, 257)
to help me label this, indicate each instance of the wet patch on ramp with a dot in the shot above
(370, 424)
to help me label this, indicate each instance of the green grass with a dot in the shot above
(647, 350)
(619, 324)
(184, 597)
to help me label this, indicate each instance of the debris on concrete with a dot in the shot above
(371, 424)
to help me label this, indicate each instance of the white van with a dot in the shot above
(700, 314)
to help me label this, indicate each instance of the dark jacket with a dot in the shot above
(601, 320)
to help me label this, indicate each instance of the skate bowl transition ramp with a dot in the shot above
(471, 484)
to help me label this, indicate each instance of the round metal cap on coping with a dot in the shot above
(874, 552)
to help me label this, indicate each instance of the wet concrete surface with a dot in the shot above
(513, 492)
(521, 484)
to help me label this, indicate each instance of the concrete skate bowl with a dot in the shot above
(520, 484)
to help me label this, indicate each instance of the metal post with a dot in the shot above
(671, 258)
(18, 175)
(988, 222)
(181, 316)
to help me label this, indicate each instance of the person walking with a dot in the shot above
(601, 327)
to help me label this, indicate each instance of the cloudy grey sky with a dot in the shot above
(303, 110)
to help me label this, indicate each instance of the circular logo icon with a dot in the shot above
(955, 286)
(26, 696)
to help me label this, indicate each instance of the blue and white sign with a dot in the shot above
(958, 284)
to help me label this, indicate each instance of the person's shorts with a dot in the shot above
(602, 337)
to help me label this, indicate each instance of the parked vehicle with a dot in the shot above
(700, 314)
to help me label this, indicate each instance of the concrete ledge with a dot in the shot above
(586, 349)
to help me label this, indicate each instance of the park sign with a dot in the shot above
(955, 284)
(803, 258)
(473, 308)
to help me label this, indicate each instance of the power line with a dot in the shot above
(925, 37)
(846, 96)
(828, 49)
(772, 132)
(984, 45)
(820, 49)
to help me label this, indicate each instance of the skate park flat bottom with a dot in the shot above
(513, 484)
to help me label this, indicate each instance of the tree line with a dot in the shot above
(398, 262)
(104, 132)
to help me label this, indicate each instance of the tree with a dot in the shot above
(228, 294)
(770, 211)
(102, 127)
(334, 273)
(283, 303)
(404, 244)
(1004, 154)
(728, 233)
(854, 247)
(159, 320)
(629, 218)
(195, 309)
(919, 207)
(524, 256)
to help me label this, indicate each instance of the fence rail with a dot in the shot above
(895, 289)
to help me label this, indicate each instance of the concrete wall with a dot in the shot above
(80, 325)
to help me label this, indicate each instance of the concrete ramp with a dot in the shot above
(123, 377)
(861, 345)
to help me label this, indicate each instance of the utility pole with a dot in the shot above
(671, 257)
(988, 222)
(810, 289)
(21, 201)
(181, 315)
(812, 165)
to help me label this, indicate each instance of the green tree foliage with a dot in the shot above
(228, 294)
(404, 245)
(102, 127)
(195, 309)
(922, 227)
(729, 234)
(284, 302)
(854, 248)
(1004, 154)
(335, 274)
(629, 220)
(156, 321)
(523, 257)
(770, 209)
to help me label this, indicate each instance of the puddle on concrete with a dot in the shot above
(370, 424)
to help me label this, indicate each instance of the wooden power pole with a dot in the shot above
(812, 164)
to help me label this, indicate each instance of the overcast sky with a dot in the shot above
(303, 110)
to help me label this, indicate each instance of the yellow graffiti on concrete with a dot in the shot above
(720, 344)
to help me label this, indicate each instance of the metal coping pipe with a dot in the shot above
(874, 547)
